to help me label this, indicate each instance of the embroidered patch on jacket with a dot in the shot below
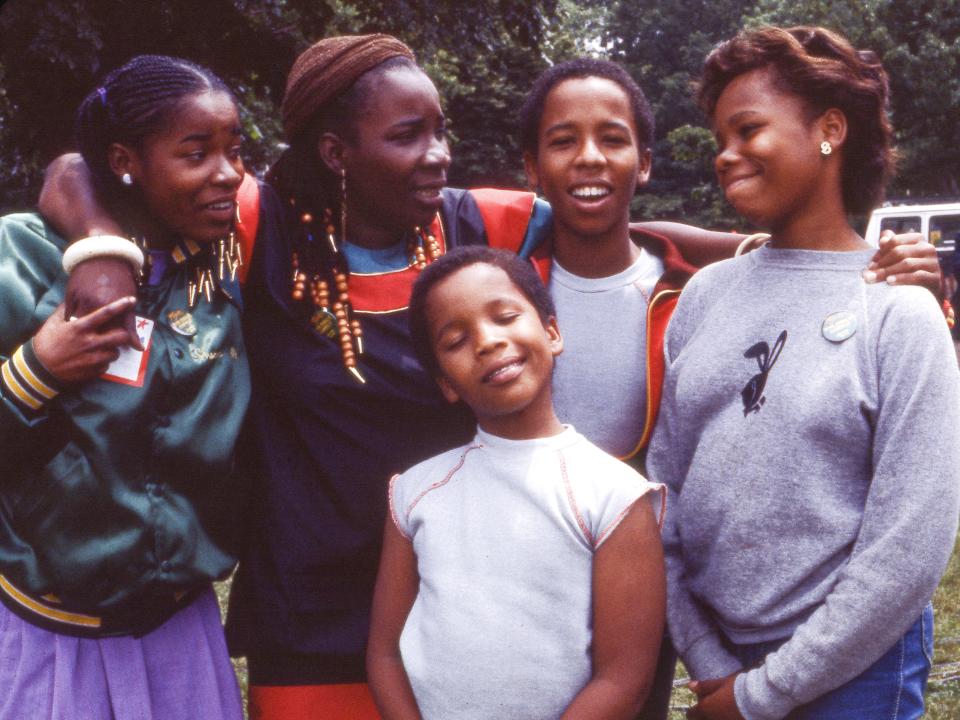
(752, 393)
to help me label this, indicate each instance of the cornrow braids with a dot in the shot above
(132, 103)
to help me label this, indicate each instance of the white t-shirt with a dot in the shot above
(599, 384)
(504, 532)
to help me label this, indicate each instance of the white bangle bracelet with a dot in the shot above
(102, 246)
(751, 242)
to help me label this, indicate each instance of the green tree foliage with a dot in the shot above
(856, 19)
(919, 44)
(54, 52)
(482, 54)
(923, 59)
(663, 44)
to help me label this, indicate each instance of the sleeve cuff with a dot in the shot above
(707, 659)
(26, 383)
(398, 522)
(759, 699)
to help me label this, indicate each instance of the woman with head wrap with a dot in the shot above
(340, 402)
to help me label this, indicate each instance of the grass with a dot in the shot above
(943, 690)
(239, 664)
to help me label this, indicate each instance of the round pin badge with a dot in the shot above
(182, 322)
(325, 322)
(839, 326)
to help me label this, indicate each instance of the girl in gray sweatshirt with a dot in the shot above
(809, 424)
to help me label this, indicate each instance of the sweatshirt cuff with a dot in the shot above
(759, 699)
(707, 659)
(26, 382)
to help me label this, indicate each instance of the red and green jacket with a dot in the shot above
(662, 303)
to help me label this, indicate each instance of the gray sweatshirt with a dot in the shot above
(809, 436)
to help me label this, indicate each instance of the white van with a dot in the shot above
(939, 224)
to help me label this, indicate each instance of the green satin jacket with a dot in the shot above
(116, 495)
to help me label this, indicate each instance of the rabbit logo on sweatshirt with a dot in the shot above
(752, 393)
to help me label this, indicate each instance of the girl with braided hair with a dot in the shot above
(115, 510)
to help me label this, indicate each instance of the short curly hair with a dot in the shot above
(531, 112)
(825, 71)
(521, 273)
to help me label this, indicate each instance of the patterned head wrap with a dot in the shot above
(326, 69)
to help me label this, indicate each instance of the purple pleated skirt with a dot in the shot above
(180, 671)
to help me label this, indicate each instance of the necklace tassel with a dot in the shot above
(322, 282)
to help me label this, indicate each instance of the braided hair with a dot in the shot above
(328, 90)
(132, 103)
(312, 197)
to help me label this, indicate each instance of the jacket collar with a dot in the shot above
(676, 269)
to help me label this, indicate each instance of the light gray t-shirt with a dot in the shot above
(808, 438)
(505, 533)
(599, 384)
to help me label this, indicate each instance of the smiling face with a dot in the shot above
(493, 351)
(189, 172)
(397, 162)
(589, 160)
(769, 163)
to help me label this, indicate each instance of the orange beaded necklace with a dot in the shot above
(314, 271)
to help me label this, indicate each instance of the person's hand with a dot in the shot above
(715, 700)
(98, 282)
(905, 259)
(82, 348)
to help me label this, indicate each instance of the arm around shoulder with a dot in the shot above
(69, 203)
(698, 246)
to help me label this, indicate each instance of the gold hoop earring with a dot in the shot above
(825, 148)
(343, 204)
